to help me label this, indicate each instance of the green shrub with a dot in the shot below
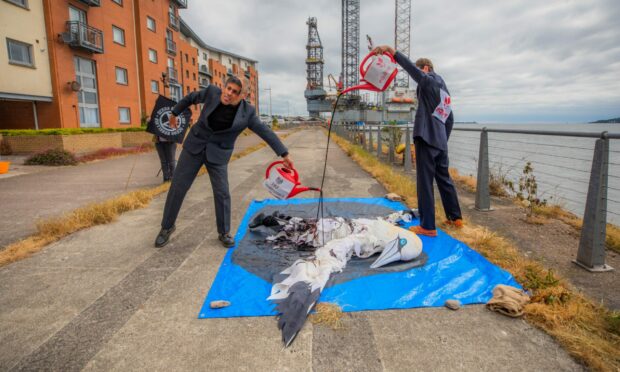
(52, 157)
(66, 131)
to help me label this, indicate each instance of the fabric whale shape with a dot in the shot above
(297, 289)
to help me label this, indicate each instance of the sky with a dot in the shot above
(519, 61)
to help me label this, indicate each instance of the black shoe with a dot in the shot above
(227, 240)
(164, 236)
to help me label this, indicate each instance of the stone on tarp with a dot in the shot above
(218, 304)
(453, 304)
(393, 197)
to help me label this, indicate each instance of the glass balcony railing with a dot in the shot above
(83, 36)
(173, 21)
(173, 76)
(204, 70)
(171, 47)
(181, 3)
(91, 2)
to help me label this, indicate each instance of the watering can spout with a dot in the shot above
(299, 189)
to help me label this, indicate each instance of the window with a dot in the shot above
(119, 2)
(150, 23)
(193, 61)
(194, 74)
(204, 56)
(22, 3)
(121, 76)
(118, 35)
(186, 58)
(76, 14)
(154, 86)
(153, 55)
(124, 115)
(169, 34)
(187, 74)
(20, 53)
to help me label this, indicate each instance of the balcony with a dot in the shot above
(180, 3)
(203, 83)
(171, 47)
(82, 36)
(91, 2)
(229, 72)
(204, 70)
(173, 76)
(173, 21)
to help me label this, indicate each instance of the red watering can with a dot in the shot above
(284, 183)
(378, 74)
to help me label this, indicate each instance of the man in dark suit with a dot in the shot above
(210, 142)
(432, 126)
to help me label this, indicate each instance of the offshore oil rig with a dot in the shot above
(396, 104)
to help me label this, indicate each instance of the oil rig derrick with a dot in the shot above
(314, 93)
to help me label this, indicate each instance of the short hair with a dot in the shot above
(241, 81)
(420, 63)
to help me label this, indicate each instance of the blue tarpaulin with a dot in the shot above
(453, 271)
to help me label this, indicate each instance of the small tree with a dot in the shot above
(528, 190)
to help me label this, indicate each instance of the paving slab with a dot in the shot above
(124, 305)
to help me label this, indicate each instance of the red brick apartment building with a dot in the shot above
(102, 63)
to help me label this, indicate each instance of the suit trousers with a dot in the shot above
(184, 175)
(432, 163)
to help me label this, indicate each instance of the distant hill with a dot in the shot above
(608, 121)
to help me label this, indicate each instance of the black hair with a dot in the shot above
(234, 80)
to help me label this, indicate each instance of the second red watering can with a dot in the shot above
(283, 183)
(376, 75)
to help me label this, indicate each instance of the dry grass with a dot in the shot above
(393, 180)
(328, 314)
(535, 219)
(468, 182)
(53, 229)
(589, 332)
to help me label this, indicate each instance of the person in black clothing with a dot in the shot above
(432, 127)
(211, 142)
(166, 150)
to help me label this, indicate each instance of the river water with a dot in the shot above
(561, 164)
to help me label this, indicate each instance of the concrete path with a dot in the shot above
(32, 193)
(105, 299)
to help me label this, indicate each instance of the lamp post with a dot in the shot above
(270, 113)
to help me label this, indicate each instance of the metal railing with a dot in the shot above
(591, 253)
(171, 47)
(81, 35)
(173, 21)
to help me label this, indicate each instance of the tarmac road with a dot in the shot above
(105, 299)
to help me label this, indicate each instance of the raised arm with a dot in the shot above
(191, 99)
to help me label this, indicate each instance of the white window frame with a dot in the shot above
(125, 75)
(115, 28)
(119, 2)
(120, 116)
(28, 48)
(152, 20)
(155, 83)
(154, 54)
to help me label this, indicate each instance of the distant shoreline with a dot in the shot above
(608, 121)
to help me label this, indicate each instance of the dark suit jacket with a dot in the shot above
(427, 126)
(219, 145)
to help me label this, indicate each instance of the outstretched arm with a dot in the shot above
(418, 75)
(270, 137)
